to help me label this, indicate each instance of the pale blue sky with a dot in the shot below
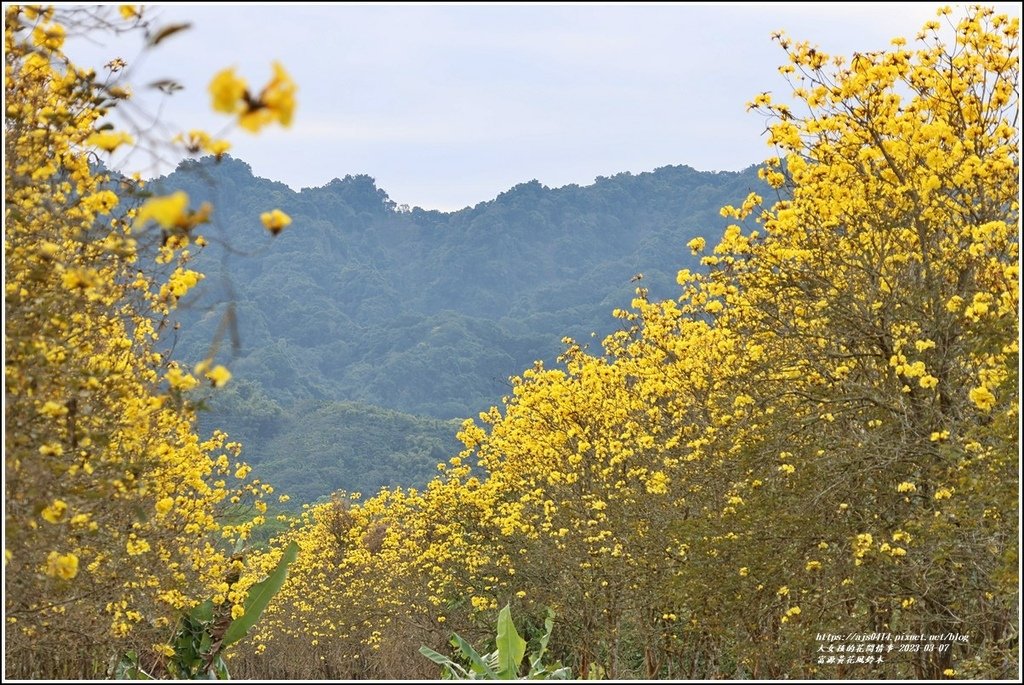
(446, 106)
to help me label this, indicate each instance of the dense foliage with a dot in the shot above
(427, 313)
(819, 435)
(118, 517)
(315, 447)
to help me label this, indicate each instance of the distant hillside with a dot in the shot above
(423, 312)
(315, 447)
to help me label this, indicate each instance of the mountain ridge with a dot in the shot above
(423, 312)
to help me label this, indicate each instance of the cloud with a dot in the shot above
(457, 100)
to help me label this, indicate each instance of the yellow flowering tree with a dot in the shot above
(884, 288)
(818, 435)
(113, 504)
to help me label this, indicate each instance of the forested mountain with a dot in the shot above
(364, 302)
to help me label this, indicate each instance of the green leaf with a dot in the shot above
(538, 671)
(185, 650)
(511, 646)
(128, 668)
(220, 668)
(491, 659)
(549, 625)
(259, 597)
(203, 613)
(477, 663)
(562, 673)
(205, 642)
(444, 662)
(174, 670)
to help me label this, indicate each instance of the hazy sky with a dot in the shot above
(448, 105)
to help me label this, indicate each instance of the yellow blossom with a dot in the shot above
(110, 140)
(80, 279)
(50, 36)
(279, 95)
(136, 546)
(55, 511)
(657, 483)
(275, 220)
(168, 210)
(228, 92)
(218, 147)
(53, 410)
(63, 566)
(218, 376)
(275, 103)
(180, 380)
(861, 545)
(982, 398)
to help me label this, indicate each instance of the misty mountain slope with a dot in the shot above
(423, 312)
